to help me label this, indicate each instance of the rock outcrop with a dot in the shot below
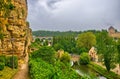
(17, 34)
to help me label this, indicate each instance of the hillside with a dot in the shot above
(44, 33)
(55, 33)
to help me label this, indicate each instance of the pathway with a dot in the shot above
(23, 70)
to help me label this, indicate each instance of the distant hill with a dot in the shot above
(55, 33)
(58, 33)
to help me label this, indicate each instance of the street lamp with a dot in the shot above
(12, 40)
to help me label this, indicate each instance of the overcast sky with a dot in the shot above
(76, 15)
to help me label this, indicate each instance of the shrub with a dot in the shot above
(2, 59)
(46, 53)
(2, 62)
(40, 69)
(9, 61)
(84, 59)
(65, 58)
(2, 65)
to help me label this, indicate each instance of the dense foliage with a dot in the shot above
(107, 48)
(42, 68)
(12, 61)
(39, 69)
(36, 44)
(58, 33)
(67, 43)
(118, 49)
(84, 59)
(9, 61)
(2, 62)
(86, 40)
(2, 65)
(55, 33)
(46, 53)
(65, 58)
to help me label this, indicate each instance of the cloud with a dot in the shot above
(73, 14)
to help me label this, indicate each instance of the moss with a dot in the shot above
(2, 65)
(23, 12)
(6, 7)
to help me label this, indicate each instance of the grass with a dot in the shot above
(103, 71)
(7, 73)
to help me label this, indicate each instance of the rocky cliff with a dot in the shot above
(14, 28)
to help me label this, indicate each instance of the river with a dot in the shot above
(86, 71)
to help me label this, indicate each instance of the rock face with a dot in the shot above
(16, 31)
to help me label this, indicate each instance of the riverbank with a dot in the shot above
(103, 71)
(85, 71)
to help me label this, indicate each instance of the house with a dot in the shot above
(113, 33)
(93, 54)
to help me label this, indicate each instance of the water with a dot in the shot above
(85, 70)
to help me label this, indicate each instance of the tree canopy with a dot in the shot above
(107, 48)
(86, 40)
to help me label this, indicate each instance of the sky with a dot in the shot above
(75, 15)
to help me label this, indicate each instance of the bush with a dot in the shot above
(46, 53)
(9, 61)
(65, 58)
(2, 62)
(2, 65)
(2, 58)
(40, 69)
(84, 59)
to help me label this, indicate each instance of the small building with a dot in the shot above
(93, 54)
(113, 32)
(49, 40)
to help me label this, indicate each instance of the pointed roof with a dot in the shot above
(111, 27)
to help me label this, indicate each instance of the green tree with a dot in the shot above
(58, 46)
(65, 58)
(84, 58)
(36, 44)
(65, 42)
(118, 49)
(86, 40)
(46, 53)
(107, 48)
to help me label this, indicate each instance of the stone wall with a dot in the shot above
(16, 31)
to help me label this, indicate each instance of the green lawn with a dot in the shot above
(7, 73)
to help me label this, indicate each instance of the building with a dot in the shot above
(93, 54)
(113, 33)
(49, 40)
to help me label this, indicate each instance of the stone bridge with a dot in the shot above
(74, 58)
